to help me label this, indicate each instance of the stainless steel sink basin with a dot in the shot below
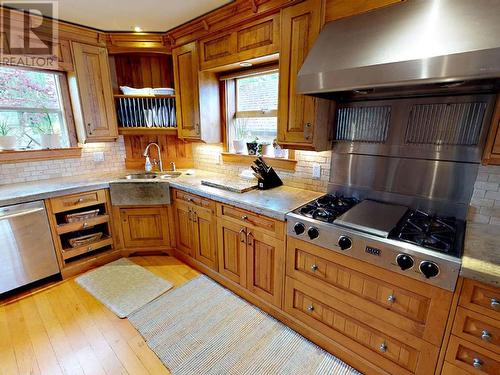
(151, 176)
(141, 176)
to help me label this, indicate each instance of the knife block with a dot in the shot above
(270, 180)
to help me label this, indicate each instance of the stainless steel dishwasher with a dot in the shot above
(26, 249)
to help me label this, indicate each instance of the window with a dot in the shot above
(32, 110)
(254, 112)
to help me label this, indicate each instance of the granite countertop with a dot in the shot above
(481, 259)
(275, 203)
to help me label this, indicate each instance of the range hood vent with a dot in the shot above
(412, 43)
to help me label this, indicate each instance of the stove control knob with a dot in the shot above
(405, 262)
(345, 243)
(299, 228)
(429, 269)
(313, 233)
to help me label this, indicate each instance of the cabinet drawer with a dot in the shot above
(472, 358)
(74, 201)
(194, 199)
(356, 331)
(477, 328)
(481, 298)
(418, 309)
(270, 226)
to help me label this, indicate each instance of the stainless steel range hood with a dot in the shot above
(415, 42)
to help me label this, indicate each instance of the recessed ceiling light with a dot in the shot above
(245, 64)
(137, 29)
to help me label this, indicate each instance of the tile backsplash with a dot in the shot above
(114, 160)
(208, 157)
(485, 203)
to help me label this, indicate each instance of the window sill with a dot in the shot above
(33, 155)
(278, 163)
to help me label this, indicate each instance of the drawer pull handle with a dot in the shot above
(477, 363)
(485, 335)
(314, 268)
(391, 298)
(310, 308)
(244, 217)
(383, 347)
(190, 199)
(495, 304)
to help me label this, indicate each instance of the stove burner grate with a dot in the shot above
(328, 207)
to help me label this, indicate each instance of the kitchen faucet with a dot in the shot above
(159, 154)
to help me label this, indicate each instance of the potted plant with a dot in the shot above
(240, 133)
(7, 142)
(253, 147)
(48, 136)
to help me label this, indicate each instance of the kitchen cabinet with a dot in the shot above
(197, 97)
(304, 122)
(474, 343)
(77, 215)
(92, 95)
(251, 252)
(196, 227)
(395, 323)
(492, 149)
(144, 228)
(253, 40)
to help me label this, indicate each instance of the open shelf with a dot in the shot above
(142, 130)
(72, 252)
(81, 225)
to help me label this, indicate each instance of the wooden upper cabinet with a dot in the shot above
(92, 94)
(492, 149)
(250, 41)
(197, 97)
(63, 55)
(304, 122)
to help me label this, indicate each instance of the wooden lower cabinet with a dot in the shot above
(145, 228)
(196, 228)
(232, 249)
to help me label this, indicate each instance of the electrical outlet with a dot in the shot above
(98, 156)
(316, 170)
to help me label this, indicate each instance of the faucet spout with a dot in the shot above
(146, 150)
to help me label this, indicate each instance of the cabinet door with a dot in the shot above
(96, 107)
(231, 250)
(145, 227)
(186, 67)
(265, 266)
(492, 148)
(184, 228)
(205, 237)
(300, 123)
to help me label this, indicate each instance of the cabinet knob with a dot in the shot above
(477, 363)
(80, 200)
(90, 248)
(85, 225)
(485, 335)
(314, 268)
(244, 217)
(383, 347)
(190, 199)
(391, 298)
(310, 308)
(495, 304)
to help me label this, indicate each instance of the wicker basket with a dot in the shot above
(85, 240)
(80, 216)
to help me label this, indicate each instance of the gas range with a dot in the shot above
(410, 242)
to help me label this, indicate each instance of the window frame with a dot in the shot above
(66, 113)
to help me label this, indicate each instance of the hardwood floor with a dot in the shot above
(62, 329)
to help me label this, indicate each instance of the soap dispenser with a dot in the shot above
(148, 166)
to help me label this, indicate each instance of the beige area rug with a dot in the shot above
(123, 286)
(203, 328)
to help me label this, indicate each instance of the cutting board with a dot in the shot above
(231, 184)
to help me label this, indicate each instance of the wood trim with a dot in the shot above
(147, 131)
(337, 9)
(283, 164)
(137, 42)
(268, 68)
(19, 156)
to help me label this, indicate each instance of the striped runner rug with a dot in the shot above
(203, 328)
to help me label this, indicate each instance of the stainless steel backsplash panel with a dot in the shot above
(436, 186)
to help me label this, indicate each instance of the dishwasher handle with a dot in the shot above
(7, 214)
